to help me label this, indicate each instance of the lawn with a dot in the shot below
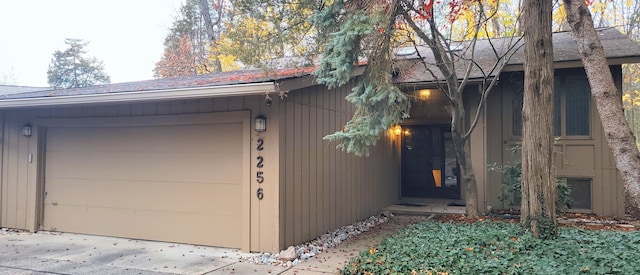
(493, 247)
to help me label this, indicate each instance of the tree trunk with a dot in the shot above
(463, 154)
(617, 131)
(204, 9)
(538, 210)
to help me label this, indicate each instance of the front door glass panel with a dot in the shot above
(429, 166)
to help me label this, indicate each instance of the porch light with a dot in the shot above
(424, 94)
(397, 130)
(260, 124)
(26, 130)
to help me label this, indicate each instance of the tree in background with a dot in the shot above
(8, 78)
(372, 30)
(271, 34)
(71, 68)
(538, 189)
(189, 46)
(222, 35)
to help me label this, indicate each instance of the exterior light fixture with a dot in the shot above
(26, 130)
(260, 124)
(397, 130)
(425, 94)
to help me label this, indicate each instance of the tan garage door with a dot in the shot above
(170, 183)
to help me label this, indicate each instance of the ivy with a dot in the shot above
(498, 248)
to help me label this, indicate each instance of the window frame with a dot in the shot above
(561, 81)
(590, 183)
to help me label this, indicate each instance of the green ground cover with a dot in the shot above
(491, 247)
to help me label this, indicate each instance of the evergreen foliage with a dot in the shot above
(379, 103)
(71, 68)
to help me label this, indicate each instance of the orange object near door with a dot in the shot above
(437, 177)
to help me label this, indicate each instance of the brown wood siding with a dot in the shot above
(576, 157)
(323, 187)
(20, 198)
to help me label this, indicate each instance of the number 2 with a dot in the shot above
(260, 144)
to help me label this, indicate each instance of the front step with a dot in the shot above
(424, 210)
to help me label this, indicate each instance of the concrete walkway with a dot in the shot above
(63, 253)
(332, 260)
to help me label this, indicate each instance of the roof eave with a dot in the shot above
(184, 93)
(576, 63)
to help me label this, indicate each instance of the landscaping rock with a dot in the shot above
(312, 248)
(287, 255)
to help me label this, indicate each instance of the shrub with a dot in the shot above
(510, 193)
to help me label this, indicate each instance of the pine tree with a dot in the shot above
(71, 68)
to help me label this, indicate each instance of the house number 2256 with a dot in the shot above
(260, 165)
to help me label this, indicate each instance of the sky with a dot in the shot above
(126, 35)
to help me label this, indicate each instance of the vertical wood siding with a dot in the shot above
(19, 195)
(584, 157)
(310, 186)
(323, 187)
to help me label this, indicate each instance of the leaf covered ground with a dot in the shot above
(495, 245)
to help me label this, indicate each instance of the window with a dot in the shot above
(580, 193)
(571, 110)
(577, 98)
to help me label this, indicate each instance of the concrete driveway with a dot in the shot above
(64, 253)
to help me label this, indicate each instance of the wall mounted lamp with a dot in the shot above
(425, 94)
(260, 123)
(26, 130)
(397, 130)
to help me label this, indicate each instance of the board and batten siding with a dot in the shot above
(321, 187)
(20, 182)
(583, 157)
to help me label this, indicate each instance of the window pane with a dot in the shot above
(577, 100)
(516, 124)
(557, 104)
(517, 93)
(580, 193)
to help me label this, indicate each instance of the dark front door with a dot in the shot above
(429, 166)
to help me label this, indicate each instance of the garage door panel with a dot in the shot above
(164, 196)
(188, 167)
(169, 183)
(193, 138)
(153, 225)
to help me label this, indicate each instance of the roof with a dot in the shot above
(241, 82)
(618, 48)
(12, 89)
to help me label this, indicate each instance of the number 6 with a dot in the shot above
(260, 193)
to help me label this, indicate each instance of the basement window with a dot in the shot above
(580, 193)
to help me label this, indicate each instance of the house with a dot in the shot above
(582, 154)
(237, 159)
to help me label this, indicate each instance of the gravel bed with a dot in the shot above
(312, 248)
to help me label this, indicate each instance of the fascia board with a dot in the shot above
(188, 93)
